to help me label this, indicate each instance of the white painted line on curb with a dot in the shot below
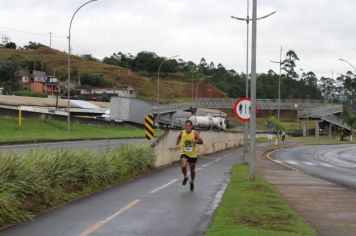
(207, 164)
(218, 159)
(99, 224)
(324, 164)
(293, 162)
(163, 186)
(308, 163)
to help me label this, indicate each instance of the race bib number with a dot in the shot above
(188, 149)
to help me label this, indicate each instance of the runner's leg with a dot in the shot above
(192, 171)
(183, 162)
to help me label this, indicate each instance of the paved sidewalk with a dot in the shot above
(328, 207)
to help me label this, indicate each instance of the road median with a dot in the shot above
(255, 208)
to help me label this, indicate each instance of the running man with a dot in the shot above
(189, 138)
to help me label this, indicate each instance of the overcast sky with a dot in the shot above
(319, 31)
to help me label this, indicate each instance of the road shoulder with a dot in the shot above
(328, 207)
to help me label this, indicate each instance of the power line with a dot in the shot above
(45, 35)
(30, 33)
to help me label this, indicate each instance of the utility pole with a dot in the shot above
(254, 19)
(50, 39)
(253, 94)
(247, 19)
(279, 91)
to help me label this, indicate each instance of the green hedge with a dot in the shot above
(40, 179)
(27, 93)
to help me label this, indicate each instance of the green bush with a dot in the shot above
(94, 80)
(38, 179)
(29, 94)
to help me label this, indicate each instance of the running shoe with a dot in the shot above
(191, 186)
(185, 180)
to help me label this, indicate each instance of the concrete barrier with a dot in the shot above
(167, 152)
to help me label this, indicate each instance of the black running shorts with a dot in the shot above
(190, 159)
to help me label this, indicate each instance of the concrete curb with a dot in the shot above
(268, 156)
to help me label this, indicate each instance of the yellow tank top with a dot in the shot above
(188, 144)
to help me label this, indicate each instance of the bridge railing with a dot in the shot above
(319, 111)
(228, 103)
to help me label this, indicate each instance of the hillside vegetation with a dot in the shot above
(173, 88)
(141, 72)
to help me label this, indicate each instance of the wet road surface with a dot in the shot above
(156, 204)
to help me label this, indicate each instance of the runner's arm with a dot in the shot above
(179, 138)
(198, 139)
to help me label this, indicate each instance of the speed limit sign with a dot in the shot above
(242, 109)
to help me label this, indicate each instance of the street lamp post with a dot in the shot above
(347, 63)
(353, 67)
(247, 19)
(159, 69)
(69, 37)
(279, 90)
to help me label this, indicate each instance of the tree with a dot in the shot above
(89, 57)
(93, 80)
(310, 78)
(289, 63)
(351, 121)
(146, 61)
(33, 46)
(327, 87)
(11, 45)
(8, 78)
(120, 59)
(350, 86)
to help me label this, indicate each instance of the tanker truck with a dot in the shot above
(208, 122)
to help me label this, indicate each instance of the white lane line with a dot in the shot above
(293, 162)
(197, 169)
(308, 163)
(207, 164)
(218, 159)
(163, 186)
(324, 164)
(99, 224)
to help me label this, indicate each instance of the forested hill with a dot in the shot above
(305, 85)
(177, 76)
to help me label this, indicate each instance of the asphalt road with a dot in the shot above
(92, 144)
(156, 204)
(336, 163)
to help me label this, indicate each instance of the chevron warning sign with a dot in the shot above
(149, 130)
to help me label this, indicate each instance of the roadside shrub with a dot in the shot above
(27, 93)
(38, 179)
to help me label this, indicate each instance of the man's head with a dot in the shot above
(188, 125)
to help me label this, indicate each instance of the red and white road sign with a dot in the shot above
(242, 109)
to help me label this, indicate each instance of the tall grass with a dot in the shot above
(39, 179)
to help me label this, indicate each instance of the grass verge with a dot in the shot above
(40, 179)
(35, 130)
(255, 208)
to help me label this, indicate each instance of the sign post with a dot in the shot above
(242, 111)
